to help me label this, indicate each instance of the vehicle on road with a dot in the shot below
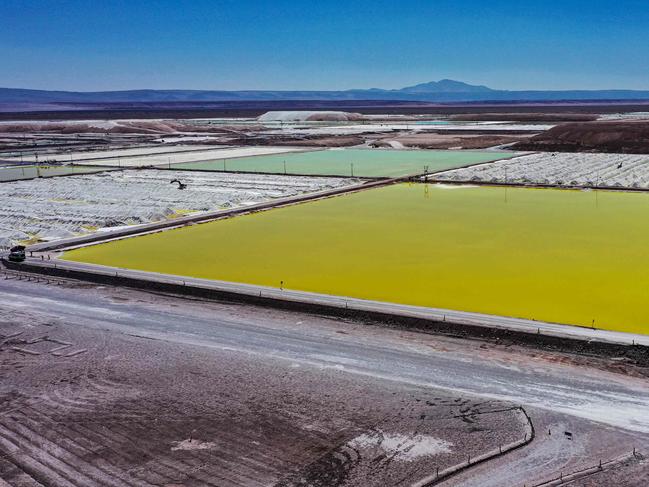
(17, 253)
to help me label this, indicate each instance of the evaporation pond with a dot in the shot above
(554, 255)
(347, 162)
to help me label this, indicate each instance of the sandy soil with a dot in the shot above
(631, 473)
(579, 451)
(66, 206)
(572, 169)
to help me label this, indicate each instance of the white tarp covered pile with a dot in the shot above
(561, 168)
(62, 207)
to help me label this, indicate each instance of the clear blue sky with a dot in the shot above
(327, 44)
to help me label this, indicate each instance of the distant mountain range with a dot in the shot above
(446, 86)
(443, 91)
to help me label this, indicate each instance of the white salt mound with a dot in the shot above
(308, 116)
(401, 446)
(192, 445)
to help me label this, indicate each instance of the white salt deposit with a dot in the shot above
(190, 445)
(490, 127)
(625, 116)
(564, 169)
(308, 116)
(401, 446)
(374, 127)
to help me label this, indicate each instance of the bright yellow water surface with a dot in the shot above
(552, 255)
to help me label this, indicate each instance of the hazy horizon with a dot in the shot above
(299, 89)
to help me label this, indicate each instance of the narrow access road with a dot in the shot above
(439, 314)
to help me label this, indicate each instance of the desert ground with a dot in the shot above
(627, 136)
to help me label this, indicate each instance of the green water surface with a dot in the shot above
(351, 162)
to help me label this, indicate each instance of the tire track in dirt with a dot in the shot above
(90, 432)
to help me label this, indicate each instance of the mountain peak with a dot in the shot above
(445, 86)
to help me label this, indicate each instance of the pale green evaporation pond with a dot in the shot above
(561, 256)
(351, 162)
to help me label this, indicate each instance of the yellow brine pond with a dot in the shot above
(565, 256)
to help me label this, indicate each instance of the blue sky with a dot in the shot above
(327, 44)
